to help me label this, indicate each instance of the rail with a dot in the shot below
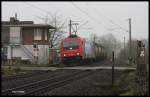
(35, 85)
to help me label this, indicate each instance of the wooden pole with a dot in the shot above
(70, 28)
(124, 48)
(130, 48)
(112, 68)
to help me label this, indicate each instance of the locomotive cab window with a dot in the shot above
(70, 44)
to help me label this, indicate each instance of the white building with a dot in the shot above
(26, 40)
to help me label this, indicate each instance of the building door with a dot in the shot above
(4, 53)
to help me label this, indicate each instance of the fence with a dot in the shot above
(54, 56)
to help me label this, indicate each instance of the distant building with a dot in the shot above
(25, 40)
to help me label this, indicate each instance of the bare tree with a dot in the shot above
(110, 43)
(94, 38)
(55, 34)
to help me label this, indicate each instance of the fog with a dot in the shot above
(102, 17)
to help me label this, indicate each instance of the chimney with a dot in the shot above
(13, 20)
(15, 16)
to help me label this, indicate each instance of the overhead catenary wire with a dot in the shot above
(45, 19)
(38, 8)
(110, 20)
(96, 20)
(42, 10)
(83, 24)
(47, 12)
(85, 12)
(73, 5)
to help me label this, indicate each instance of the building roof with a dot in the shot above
(16, 23)
(30, 25)
(20, 22)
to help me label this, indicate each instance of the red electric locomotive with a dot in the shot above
(71, 48)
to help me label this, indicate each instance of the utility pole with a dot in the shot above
(112, 68)
(70, 27)
(124, 47)
(130, 51)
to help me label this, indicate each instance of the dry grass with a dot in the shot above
(10, 71)
(131, 87)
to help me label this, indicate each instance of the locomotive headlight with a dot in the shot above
(78, 54)
(64, 55)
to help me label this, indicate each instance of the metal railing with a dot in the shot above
(29, 53)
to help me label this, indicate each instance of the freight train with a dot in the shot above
(74, 48)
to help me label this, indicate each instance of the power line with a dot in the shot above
(85, 12)
(77, 8)
(38, 8)
(83, 24)
(45, 19)
(120, 26)
(51, 14)
(110, 20)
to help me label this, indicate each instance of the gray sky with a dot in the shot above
(98, 15)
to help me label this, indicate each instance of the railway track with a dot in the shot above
(84, 64)
(32, 78)
(27, 78)
(43, 86)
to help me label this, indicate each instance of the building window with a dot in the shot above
(37, 34)
(45, 34)
(14, 34)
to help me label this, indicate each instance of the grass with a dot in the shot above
(35, 65)
(129, 85)
(31, 65)
(20, 63)
(128, 93)
(10, 71)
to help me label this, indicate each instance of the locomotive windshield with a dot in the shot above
(70, 44)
